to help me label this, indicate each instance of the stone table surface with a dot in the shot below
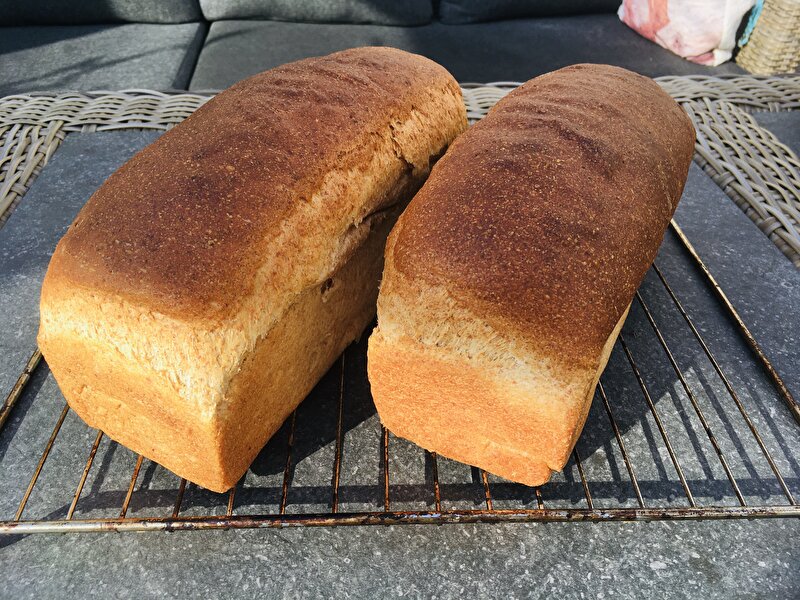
(708, 559)
(720, 559)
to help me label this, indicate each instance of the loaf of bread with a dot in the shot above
(213, 279)
(509, 276)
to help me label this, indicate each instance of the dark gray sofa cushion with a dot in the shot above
(91, 57)
(475, 11)
(383, 12)
(77, 12)
(482, 52)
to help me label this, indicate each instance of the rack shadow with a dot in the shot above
(311, 471)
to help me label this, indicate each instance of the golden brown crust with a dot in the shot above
(544, 216)
(189, 309)
(183, 225)
(508, 278)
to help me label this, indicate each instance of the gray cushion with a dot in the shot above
(506, 50)
(384, 12)
(77, 12)
(90, 57)
(474, 11)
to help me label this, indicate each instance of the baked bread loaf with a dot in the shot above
(510, 274)
(213, 279)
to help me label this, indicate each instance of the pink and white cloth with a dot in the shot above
(702, 31)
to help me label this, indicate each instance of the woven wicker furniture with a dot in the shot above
(774, 45)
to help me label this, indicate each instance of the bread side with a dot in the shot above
(214, 449)
(159, 303)
(509, 276)
(443, 378)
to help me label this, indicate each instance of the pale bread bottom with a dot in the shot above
(461, 410)
(272, 381)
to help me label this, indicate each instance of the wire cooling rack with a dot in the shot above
(690, 421)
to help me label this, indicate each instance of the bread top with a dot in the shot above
(543, 218)
(184, 226)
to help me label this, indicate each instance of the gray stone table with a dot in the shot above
(697, 559)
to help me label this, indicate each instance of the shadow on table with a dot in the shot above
(607, 470)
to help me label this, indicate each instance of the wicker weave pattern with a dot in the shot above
(755, 170)
(25, 150)
(774, 45)
(101, 111)
(32, 127)
(479, 99)
(759, 173)
(747, 92)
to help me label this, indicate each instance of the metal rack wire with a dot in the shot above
(733, 504)
(654, 474)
